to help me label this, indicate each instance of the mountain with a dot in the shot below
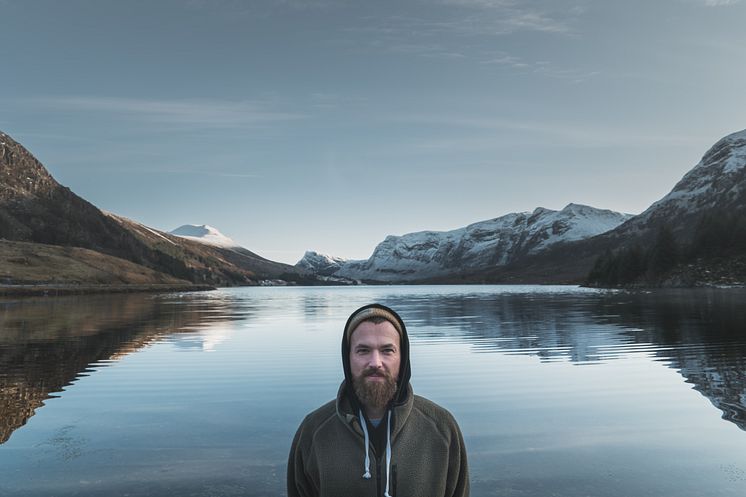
(431, 255)
(35, 208)
(697, 233)
(209, 263)
(204, 234)
(321, 264)
(694, 235)
(716, 183)
(703, 219)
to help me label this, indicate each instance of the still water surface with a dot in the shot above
(560, 391)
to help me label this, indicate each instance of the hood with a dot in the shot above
(405, 371)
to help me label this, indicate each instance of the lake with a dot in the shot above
(559, 391)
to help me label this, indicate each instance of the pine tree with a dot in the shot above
(664, 254)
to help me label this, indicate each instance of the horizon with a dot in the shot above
(327, 125)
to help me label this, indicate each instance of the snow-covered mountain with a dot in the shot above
(718, 181)
(204, 234)
(322, 264)
(486, 244)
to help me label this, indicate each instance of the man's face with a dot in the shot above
(374, 362)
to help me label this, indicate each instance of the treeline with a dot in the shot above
(716, 235)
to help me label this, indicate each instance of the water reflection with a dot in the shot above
(46, 344)
(700, 333)
(541, 377)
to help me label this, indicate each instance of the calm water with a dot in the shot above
(559, 391)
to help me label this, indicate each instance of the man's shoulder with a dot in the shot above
(438, 415)
(318, 418)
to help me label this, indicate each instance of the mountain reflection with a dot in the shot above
(47, 343)
(700, 333)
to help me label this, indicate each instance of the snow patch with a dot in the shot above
(204, 233)
(159, 235)
(321, 264)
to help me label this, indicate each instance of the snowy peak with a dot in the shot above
(204, 233)
(718, 181)
(723, 161)
(322, 264)
(728, 154)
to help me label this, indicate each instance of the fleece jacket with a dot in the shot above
(428, 458)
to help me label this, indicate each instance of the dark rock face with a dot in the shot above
(717, 182)
(35, 208)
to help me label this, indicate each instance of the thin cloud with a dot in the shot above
(464, 24)
(428, 50)
(134, 171)
(552, 71)
(536, 133)
(460, 29)
(543, 68)
(499, 4)
(507, 60)
(506, 16)
(262, 8)
(192, 113)
(208, 172)
(720, 3)
(329, 101)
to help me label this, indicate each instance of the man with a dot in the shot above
(377, 438)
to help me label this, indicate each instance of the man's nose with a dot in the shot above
(375, 360)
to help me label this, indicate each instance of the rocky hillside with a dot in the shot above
(35, 208)
(717, 182)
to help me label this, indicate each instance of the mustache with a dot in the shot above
(376, 372)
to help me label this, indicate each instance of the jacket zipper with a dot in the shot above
(393, 480)
(378, 476)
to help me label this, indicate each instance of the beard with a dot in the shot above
(374, 393)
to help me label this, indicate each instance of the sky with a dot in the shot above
(326, 125)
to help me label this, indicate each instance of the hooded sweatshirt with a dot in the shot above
(420, 453)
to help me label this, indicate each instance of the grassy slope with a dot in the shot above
(35, 263)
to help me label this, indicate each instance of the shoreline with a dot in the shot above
(62, 289)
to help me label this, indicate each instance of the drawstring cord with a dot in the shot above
(366, 475)
(388, 453)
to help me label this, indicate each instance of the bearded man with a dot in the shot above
(377, 438)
